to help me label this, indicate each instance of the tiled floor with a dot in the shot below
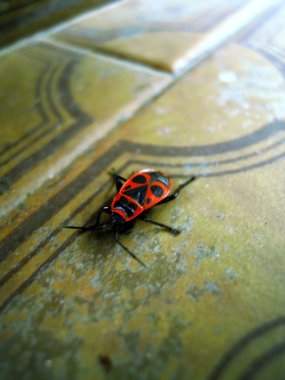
(190, 89)
(22, 18)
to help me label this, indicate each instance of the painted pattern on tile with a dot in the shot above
(76, 306)
(223, 167)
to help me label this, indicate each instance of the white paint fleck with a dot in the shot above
(228, 77)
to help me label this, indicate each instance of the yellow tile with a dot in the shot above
(217, 288)
(54, 104)
(270, 35)
(161, 34)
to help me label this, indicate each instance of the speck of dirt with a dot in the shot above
(105, 362)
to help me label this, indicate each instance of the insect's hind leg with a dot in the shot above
(177, 191)
(119, 181)
(97, 225)
(93, 227)
(170, 229)
(116, 238)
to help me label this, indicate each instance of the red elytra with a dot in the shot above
(141, 191)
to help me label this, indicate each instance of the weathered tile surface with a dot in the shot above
(268, 38)
(163, 34)
(211, 304)
(63, 102)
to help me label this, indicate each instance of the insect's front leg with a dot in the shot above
(177, 191)
(119, 181)
(106, 209)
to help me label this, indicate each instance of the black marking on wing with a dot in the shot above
(138, 194)
(127, 207)
(158, 176)
(139, 179)
(156, 190)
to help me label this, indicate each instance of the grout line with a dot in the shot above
(197, 53)
(95, 52)
(22, 42)
(223, 33)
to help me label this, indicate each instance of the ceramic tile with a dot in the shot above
(268, 37)
(210, 305)
(54, 103)
(167, 36)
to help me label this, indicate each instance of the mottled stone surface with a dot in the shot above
(211, 304)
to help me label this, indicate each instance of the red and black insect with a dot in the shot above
(143, 190)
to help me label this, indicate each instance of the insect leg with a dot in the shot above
(118, 179)
(177, 191)
(127, 249)
(95, 226)
(106, 208)
(170, 229)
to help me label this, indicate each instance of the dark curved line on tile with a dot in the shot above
(30, 279)
(247, 168)
(83, 205)
(27, 145)
(54, 233)
(52, 103)
(47, 210)
(262, 361)
(222, 173)
(59, 200)
(242, 343)
(64, 86)
(82, 120)
(41, 110)
(246, 141)
(80, 208)
(214, 163)
(38, 95)
(51, 258)
(46, 132)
